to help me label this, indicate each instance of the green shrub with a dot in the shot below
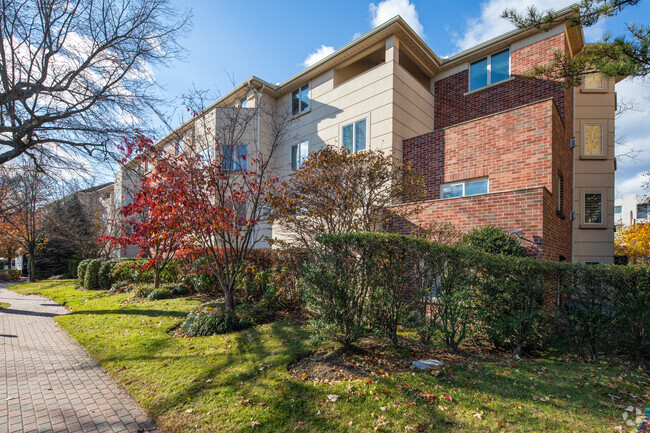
(104, 275)
(141, 290)
(160, 293)
(91, 276)
(213, 319)
(10, 275)
(129, 271)
(72, 268)
(493, 240)
(81, 271)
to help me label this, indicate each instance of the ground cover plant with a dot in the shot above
(253, 380)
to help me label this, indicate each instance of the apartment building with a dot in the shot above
(630, 209)
(493, 147)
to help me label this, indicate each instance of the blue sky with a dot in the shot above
(232, 40)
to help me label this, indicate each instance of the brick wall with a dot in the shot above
(513, 149)
(509, 210)
(452, 106)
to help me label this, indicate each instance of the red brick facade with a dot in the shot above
(452, 106)
(517, 135)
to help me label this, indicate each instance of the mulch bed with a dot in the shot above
(372, 357)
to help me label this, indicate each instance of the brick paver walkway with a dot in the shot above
(49, 383)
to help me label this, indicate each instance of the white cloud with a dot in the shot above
(318, 55)
(489, 23)
(387, 9)
(632, 185)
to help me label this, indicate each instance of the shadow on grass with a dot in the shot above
(136, 312)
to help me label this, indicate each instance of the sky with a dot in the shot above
(232, 40)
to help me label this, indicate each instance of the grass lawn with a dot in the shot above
(240, 382)
(4, 305)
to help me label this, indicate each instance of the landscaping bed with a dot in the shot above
(242, 381)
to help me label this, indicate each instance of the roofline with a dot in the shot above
(562, 13)
(393, 22)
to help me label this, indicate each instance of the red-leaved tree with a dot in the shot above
(213, 196)
(152, 221)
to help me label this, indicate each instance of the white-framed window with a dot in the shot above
(299, 154)
(234, 157)
(300, 100)
(618, 209)
(355, 136)
(593, 141)
(179, 146)
(593, 210)
(489, 70)
(464, 188)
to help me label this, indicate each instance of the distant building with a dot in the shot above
(630, 209)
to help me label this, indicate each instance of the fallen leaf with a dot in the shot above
(255, 423)
(448, 397)
(332, 397)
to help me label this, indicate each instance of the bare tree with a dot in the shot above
(25, 199)
(75, 75)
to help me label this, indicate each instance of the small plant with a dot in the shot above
(141, 290)
(91, 275)
(160, 293)
(210, 320)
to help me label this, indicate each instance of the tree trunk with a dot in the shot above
(230, 300)
(32, 266)
(156, 278)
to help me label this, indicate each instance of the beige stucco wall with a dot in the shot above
(594, 243)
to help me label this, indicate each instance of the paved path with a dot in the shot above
(49, 383)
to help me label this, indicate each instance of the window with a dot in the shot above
(299, 154)
(179, 146)
(593, 208)
(300, 100)
(464, 188)
(204, 154)
(489, 70)
(618, 209)
(354, 136)
(593, 140)
(234, 157)
(593, 81)
(641, 211)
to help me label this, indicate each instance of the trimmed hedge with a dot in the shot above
(81, 271)
(362, 282)
(10, 275)
(91, 276)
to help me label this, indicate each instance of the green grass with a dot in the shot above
(3, 305)
(235, 381)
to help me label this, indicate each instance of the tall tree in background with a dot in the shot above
(625, 55)
(24, 202)
(634, 242)
(75, 75)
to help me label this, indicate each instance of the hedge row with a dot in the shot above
(357, 282)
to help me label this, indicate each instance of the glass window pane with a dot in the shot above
(226, 162)
(641, 211)
(304, 152)
(593, 208)
(304, 98)
(295, 103)
(347, 137)
(455, 190)
(500, 68)
(294, 157)
(593, 139)
(593, 81)
(478, 74)
(360, 135)
(242, 157)
(618, 209)
(476, 187)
